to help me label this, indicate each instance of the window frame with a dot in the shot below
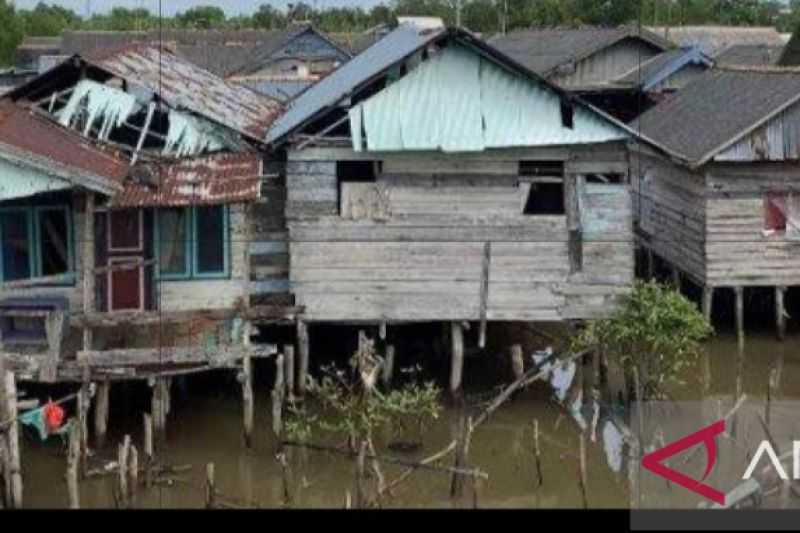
(34, 233)
(191, 271)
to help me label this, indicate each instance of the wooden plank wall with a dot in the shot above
(670, 212)
(269, 247)
(423, 258)
(738, 254)
(608, 64)
(777, 140)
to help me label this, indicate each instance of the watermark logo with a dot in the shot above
(706, 436)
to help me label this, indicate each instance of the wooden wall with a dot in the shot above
(419, 243)
(738, 253)
(608, 64)
(670, 212)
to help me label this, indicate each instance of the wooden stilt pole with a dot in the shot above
(361, 491)
(388, 367)
(148, 449)
(650, 264)
(457, 357)
(780, 312)
(517, 361)
(133, 474)
(288, 364)
(708, 302)
(101, 408)
(582, 470)
(88, 265)
(73, 466)
(84, 401)
(247, 400)
(13, 468)
(676, 278)
(739, 291)
(304, 355)
(277, 402)
(211, 490)
(122, 471)
(537, 453)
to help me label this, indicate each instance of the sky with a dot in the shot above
(170, 7)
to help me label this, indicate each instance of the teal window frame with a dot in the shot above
(191, 269)
(32, 217)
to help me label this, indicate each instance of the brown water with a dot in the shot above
(204, 429)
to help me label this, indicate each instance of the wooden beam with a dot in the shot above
(101, 408)
(173, 355)
(303, 345)
(484, 295)
(780, 312)
(150, 110)
(255, 314)
(572, 208)
(708, 302)
(457, 357)
(88, 264)
(739, 292)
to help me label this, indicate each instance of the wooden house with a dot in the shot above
(434, 179)
(131, 183)
(621, 70)
(721, 208)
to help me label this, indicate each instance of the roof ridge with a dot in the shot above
(759, 69)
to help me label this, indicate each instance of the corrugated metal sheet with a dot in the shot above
(215, 179)
(183, 85)
(459, 101)
(402, 42)
(19, 181)
(33, 139)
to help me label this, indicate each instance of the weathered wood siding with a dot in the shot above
(680, 79)
(212, 293)
(738, 253)
(307, 51)
(776, 140)
(607, 64)
(416, 244)
(670, 212)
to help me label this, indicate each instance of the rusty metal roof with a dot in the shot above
(183, 85)
(35, 140)
(215, 179)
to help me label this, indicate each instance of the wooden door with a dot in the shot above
(125, 247)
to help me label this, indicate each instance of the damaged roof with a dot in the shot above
(544, 50)
(396, 46)
(183, 85)
(712, 40)
(664, 65)
(32, 139)
(214, 179)
(717, 109)
(750, 54)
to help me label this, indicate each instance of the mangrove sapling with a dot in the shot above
(657, 331)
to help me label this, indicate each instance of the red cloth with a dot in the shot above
(53, 416)
(775, 212)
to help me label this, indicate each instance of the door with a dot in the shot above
(125, 247)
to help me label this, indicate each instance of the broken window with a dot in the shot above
(605, 179)
(36, 241)
(193, 242)
(782, 214)
(358, 194)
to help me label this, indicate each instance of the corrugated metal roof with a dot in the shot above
(459, 101)
(750, 54)
(183, 85)
(545, 49)
(20, 181)
(403, 41)
(214, 179)
(716, 109)
(28, 137)
(662, 66)
(714, 39)
(283, 90)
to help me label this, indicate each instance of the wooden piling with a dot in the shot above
(382, 330)
(650, 264)
(148, 449)
(303, 354)
(210, 487)
(13, 469)
(361, 491)
(122, 472)
(84, 401)
(708, 302)
(159, 409)
(582, 470)
(388, 367)
(780, 312)
(88, 265)
(101, 409)
(247, 400)
(461, 453)
(537, 453)
(133, 474)
(517, 361)
(457, 357)
(73, 466)
(277, 401)
(739, 292)
(288, 373)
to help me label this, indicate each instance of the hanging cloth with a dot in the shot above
(35, 418)
(53, 416)
(47, 420)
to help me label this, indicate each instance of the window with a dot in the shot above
(775, 212)
(193, 242)
(545, 198)
(353, 179)
(36, 242)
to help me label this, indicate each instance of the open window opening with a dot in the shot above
(782, 215)
(542, 183)
(357, 193)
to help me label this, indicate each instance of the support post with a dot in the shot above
(159, 410)
(247, 400)
(133, 474)
(148, 449)
(101, 408)
(676, 278)
(651, 266)
(13, 463)
(210, 487)
(457, 357)
(780, 312)
(388, 367)
(277, 401)
(517, 361)
(122, 471)
(88, 264)
(739, 291)
(288, 364)
(73, 466)
(572, 185)
(84, 401)
(708, 302)
(303, 353)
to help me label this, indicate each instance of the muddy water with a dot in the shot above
(203, 428)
